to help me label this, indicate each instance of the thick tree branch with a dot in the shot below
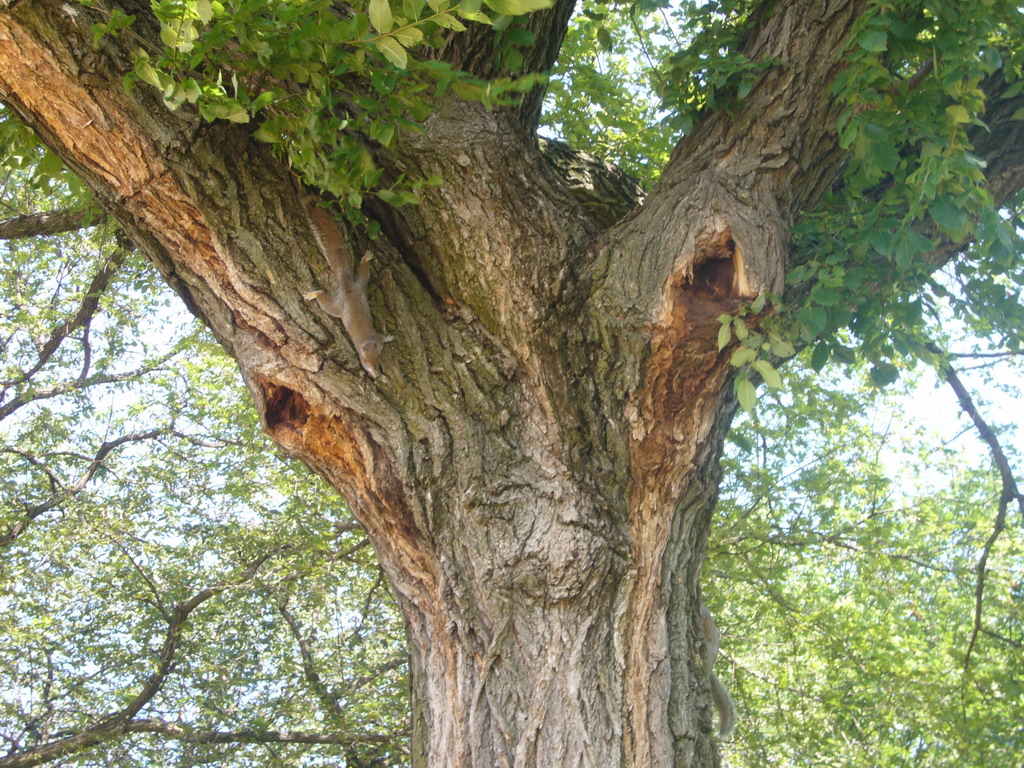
(44, 223)
(713, 232)
(604, 191)
(745, 177)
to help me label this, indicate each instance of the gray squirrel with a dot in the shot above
(723, 701)
(348, 302)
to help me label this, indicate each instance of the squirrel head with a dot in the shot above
(369, 356)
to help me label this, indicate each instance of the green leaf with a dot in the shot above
(741, 328)
(849, 134)
(957, 113)
(408, 36)
(881, 240)
(262, 100)
(517, 7)
(191, 90)
(820, 356)
(168, 36)
(448, 21)
(397, 199)
(724, 334)
(413, 8)
(147, 73)
(237, 113)
(382, 131)
(782, 348)
(884, 373)
(904, 254)
(1006, 235)
(947, 214)
(919, 243)
(818, 319)
(520, 37)
(379, 12)
(884, 156)
(742, 356)
(746, 393)
(272, 129)
(205, 10)
(768, 373)
(230, 110)
(392, 51)
(478, 16)
(874, 40)
(826, 297)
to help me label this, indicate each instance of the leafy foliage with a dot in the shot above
(302, 67)
(850, 531)
(912, 185)
(614, 119)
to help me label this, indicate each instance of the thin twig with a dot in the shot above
(1009, 492)
(77, 385)
(330, 700)
(1003, 354)
(90, 303)
(67, 491)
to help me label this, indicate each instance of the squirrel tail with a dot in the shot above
(726, 709)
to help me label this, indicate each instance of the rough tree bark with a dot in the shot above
(538, 464)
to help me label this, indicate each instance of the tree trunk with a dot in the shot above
(538, 464)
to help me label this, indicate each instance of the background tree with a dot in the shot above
(174, 592)
(538, 465)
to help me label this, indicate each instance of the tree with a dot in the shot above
(538, 465)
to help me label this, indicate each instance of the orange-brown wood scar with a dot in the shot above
(343, 453)
(684, 362)
(684, 369)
